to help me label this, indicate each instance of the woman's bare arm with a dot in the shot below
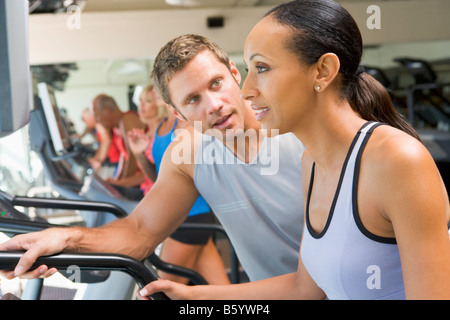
(414, 199)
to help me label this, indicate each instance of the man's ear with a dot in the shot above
(176, 113)
(235, 72)
(327, 68)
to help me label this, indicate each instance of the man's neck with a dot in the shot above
(245, 146)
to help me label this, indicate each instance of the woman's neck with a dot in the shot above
(152, 125)
(328, 134)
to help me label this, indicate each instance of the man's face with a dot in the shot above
(205, 90)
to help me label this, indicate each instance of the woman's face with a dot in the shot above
(148, 105)
(280, 88)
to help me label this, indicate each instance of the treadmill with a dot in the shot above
(64, 161)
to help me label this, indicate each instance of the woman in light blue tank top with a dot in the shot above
(377, 210)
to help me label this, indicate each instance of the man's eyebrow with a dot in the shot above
(214, 79)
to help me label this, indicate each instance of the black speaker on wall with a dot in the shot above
(215, 22)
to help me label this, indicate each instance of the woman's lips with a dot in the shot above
(260, 113)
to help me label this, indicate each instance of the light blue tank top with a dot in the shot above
(345, 260)
(160, 145)
(260, 203)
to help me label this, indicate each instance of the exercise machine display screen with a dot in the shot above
(58, 131)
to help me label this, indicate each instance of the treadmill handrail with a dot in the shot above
(195, 277)
(50, 203)
(18, 226)
(55, 157)
(89, 261)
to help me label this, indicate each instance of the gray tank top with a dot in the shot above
(259, 204)
(345, 260)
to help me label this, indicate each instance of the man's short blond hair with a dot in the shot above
(174, 56)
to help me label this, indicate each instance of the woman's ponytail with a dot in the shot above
(372, 102)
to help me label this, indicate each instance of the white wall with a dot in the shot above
(104, 35)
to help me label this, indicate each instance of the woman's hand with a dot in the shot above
(174, 290)
(138, 140)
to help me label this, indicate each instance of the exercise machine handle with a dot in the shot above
(50, 203)
(89, 261)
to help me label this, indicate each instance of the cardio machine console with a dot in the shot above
(7, 210)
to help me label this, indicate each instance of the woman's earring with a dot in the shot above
(318, 88)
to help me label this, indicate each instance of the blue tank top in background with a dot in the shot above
(160, 145)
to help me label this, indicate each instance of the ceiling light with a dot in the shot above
(186, 3)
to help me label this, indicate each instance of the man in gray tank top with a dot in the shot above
(251, 181)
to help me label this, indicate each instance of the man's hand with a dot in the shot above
(36, 244)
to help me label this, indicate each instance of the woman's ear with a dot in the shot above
(327, 68)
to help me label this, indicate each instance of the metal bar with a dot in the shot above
(192, 275)
(89, 261)
(50, 203)
(16, 226)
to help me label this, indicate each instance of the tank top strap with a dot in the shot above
(162, 122)
(369, 126)
(174, 125)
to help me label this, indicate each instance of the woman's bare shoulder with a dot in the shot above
(389, 146)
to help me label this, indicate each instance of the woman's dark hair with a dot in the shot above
(324, 26)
